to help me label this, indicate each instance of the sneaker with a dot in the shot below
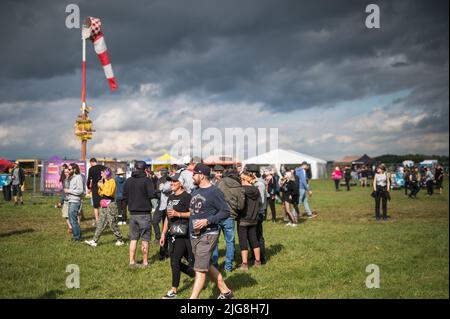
(124, 223)
(228, 295)
(294, 225)
(312, 215)
(91, 243)
(243, 267)
(257, 263)
(170, 295)
(119, 223)
(289, 224)
(120, 243)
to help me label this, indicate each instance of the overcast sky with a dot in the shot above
(309, 68)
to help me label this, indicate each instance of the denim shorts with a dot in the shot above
(140, 227)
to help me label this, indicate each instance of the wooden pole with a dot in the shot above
(83, 97)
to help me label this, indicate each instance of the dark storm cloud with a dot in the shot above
(285, 54)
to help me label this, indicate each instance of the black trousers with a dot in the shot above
(179, 248)
(407, 187)
(271, 204)
(430, 187)
(380, 198)
(247, 234)
(347, 183)
(122, 209)
(415, 188)
(336, 183)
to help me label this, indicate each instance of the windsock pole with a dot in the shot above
(83, 96)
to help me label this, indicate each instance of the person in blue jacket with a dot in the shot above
(304, 188)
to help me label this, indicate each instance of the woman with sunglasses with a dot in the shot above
(108, 209)
(176, 231)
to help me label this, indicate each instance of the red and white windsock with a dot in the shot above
(94, 32)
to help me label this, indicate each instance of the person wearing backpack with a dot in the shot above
(234, 194)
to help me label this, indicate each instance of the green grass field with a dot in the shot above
(322, 258)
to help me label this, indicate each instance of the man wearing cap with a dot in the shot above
(208, 208)
(304, 188)
(218, 172)
(18, 178)
(121, 204)
(186, 175)
(137, 193)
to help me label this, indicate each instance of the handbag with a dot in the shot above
(104, 203)
(178, 229)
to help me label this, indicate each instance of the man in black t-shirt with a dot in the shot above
(439, 176)
(94, 176)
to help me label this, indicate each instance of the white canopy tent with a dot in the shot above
(280, 157)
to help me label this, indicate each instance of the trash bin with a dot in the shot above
(7, 193)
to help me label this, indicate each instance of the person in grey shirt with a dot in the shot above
(74, 194)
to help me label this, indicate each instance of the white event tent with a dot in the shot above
(280, 157)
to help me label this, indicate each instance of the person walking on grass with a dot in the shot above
(64, 198)
(120, 202)
(305, 190)
(234, 195)
(429, 179)
(94, 176)
(336, 175)
(137, 193)
(416, 179)
(248, 219)
(74, 194)
(439, 176)
(108, 209)
(287, 184)
(18, 179)
(176, 232)
(347, 177)
(271, 190)
(208, 208)
(381, 186)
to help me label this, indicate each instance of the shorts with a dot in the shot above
(202, 248)
(65, 210)
(95, 197)
(16, 190)
(140, 227)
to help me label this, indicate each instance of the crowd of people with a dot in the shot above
(195, 204)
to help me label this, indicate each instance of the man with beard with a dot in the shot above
(208, 208)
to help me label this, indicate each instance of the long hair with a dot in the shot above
(75, 167)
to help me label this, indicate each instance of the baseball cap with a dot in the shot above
(202, 169)
(218, 168)
(175, 177)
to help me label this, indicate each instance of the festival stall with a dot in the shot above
(164, 161)
(279, 158)
(225, 161)
(51, 173)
